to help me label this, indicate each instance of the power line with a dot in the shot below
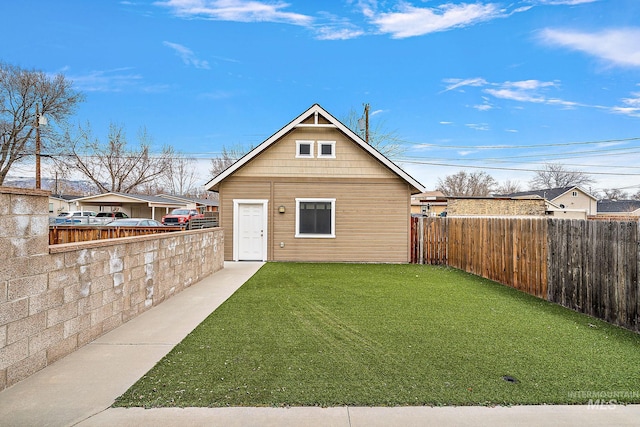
(528, 146)
(511, 169)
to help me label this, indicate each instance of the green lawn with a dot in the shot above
(377, 335)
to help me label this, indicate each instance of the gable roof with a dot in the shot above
(547, 193)
(63, 197)
(618, 206)
(314, 111)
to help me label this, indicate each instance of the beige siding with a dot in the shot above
(372, 218)
(232, 189)
(280, 159)
(580, 201)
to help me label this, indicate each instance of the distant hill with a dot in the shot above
(56, 186)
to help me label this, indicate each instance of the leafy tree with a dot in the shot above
(467, 184)
(114, 165)
(21, 93)
(382, 139)
(555, 175)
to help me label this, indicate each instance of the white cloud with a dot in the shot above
(411, 21)
(187, 55)
(483, 107)
(115, 80)
(457, 83)
(236, 10)
(330, 32)
(525, 91)
(615, 46)
(566, 2)
(528, 84)
(531, 90)
(630, 106)
(478, 126)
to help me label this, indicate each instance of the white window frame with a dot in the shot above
(574, 194)
(304, 156)
(333, 219)
(333, 150)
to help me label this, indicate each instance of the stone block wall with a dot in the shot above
(55, 299)
(496, 207)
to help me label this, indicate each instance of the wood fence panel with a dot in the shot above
(594, 269)
(589, 266)
(509, 251)
(60, 234)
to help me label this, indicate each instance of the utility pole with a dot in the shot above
(366, 123)
(40, 120)
(38, 183)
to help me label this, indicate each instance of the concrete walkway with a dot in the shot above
(80, 388)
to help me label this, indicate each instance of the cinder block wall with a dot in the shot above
(496, 207)
(55, 299)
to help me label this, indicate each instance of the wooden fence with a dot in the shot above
(588, 266)
(59, 234)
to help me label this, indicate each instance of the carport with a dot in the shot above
(134, 205)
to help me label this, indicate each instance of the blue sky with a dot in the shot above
(499, 86)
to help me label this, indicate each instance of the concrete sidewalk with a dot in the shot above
(80, 388)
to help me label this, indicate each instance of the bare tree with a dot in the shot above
(555, 175)
(180, 177)
(228, 157)
(508, 187)
(114, 165)
(382, 139)
(21, 93)
(615, 194)
(467, 184)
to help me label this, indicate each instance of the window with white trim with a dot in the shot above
(574, 194)
(327, 149)
(304, 149)
(316, 218)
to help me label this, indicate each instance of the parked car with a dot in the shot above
(135, 222)
(107, 217)
(76, 217)
(181, 217)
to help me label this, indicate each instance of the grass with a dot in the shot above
(382, 335)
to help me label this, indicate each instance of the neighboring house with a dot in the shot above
(134, 205)
(622, 208)
(60, 203)
(564, 202)
(202, 205)
(315, 191)
(430, 203)
(496, 206)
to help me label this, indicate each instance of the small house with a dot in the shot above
(571, 202)
(619, 208)
(315, 191)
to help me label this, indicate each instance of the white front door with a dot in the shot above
(251, 231)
